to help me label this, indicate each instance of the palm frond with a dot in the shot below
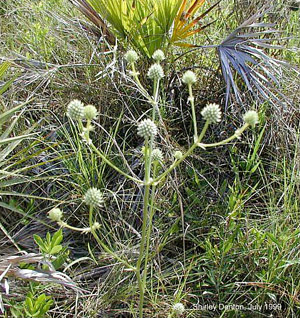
(101, 28)
(186, 24)
(242, 53)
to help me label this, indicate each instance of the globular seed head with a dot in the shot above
(55, 215)
(178, 154)
(131, 56)
(90, 112)
(251, 118)
(156, 72)
(189, 78)
(158, 56)
(178, 309)
(75, 110)
(157, 155)
(93, 197)
(212, 113)
(147, 129)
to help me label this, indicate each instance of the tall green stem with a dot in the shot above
(151, 215)
(142, 287)
(155, 96)
(192, 101)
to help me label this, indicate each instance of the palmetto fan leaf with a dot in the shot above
(242, 53)
(86, 9)
(187, 24)
(147, 25)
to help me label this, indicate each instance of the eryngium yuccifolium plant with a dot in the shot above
(55, 214)
(251, 118)
(75, 110)
(90, 112)
(93, 197)
(189, 78)
(158, 56)
(147, 129)
(212, 113)
(157, 155)
(131, 56)
(153, 174)
(178, 309)
(155, 72)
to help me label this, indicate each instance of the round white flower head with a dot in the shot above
(131, 56)
(157, 155)
(189, 78)
(93, 197)
(251, 118)
(75, 110)
(155, 72)
(178, 154)
(55, 215)
(147, 129)
(158, 56)
(178, 309)
(90, 112)
(212, 113)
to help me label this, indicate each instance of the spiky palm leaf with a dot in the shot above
(186, 24)
(147, 25)
(242, 53)
(86, 9)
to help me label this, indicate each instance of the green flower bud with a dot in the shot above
(95, 226)
(156, 72)
(147, 129)
(158, 56)
(93, 197)
(178, 155)
(251, 118)
(157, 155)
(75, 110)
(131, 56)
(212, 113)
(55, 215)
(189, 78)
(178, 309)
(90, 112)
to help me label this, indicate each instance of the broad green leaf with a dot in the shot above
(57, 238)
(56, 249)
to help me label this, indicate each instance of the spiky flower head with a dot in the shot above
(178, 154)
(189, 78)
(157, 155)
(131, 56)
(251, 118)
(147, 129)
(156, 72)
(212, 113)
(178, 309)
(158, 56)
(55, 215)
(90, 112)
(93, 197)
(75, 110)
